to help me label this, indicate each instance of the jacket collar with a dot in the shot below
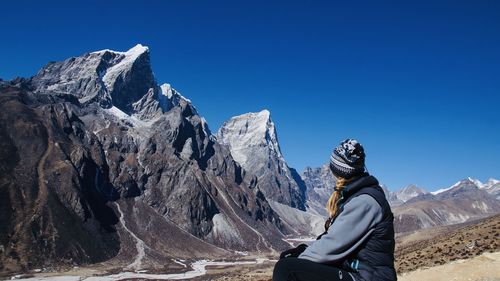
(366, 180)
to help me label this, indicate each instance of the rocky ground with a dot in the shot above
(440, 246)
(485, 267)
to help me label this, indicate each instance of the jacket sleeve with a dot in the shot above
(349, 230)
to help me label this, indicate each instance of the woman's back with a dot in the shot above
(358, 243)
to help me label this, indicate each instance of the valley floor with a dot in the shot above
(467, 252)
(485, 267)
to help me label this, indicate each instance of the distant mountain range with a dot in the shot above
(99, 162)
(462, 202)
(411, 191)
(415, 208)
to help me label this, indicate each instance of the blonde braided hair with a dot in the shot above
(333, 202)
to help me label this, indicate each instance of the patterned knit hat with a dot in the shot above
(348, 159)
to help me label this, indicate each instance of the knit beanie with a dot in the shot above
(348, 159)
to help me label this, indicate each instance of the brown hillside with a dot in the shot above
(447, 244)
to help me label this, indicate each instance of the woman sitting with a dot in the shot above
(358, 242)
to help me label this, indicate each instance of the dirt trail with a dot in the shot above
(485, 267)
(42, 184)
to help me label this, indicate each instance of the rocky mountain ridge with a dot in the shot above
(415, 208)
(94, 150)
(407, 193)
(462, 202)
(253, 142)
(320, 183)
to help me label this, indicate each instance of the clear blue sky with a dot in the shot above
(417, 82)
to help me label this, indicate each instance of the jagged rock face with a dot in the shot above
(106, 77)
(462, 202)
(186, 177)
(492, 186)
(96, 129)
(53, 185)
(253, 143)
(391, 196)
(320, 183)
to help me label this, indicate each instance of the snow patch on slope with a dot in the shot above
(477, 182)
(223, 229)
(481, 206)
(133, 120)
(446, 189)
(129, 57)
(172, 94)
(489, 184)
(170, 98)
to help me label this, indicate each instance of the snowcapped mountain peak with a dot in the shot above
(409, 192)
(107, 77)
(250, 130)
(171, 94)
(262, 120)
(410, 187)
(446, 189)
(138, 49)
(134, 51)
(252, 140)
(265, 113)
(259, 119)
(477, 182)
(467, 182)
(493, 187)
(256, 127)
(124, 80)
(493, 181)
(124, 66)
(168, 98)
(167, 90)
(487, 185)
